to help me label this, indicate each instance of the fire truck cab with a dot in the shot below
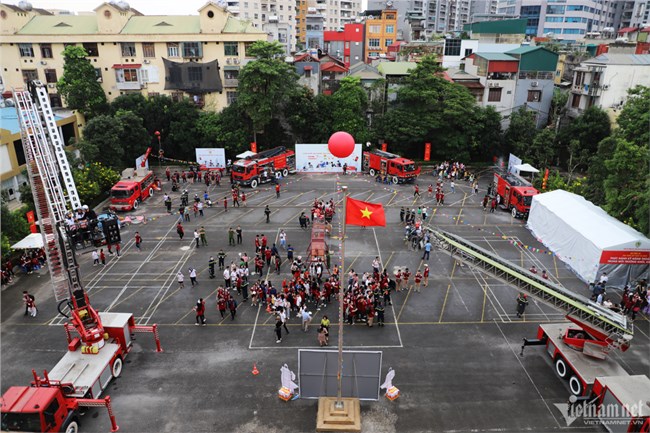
(516, 193)
(135, 187)
(398, 169)
(263, 167)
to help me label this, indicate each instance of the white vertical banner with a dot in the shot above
(316, 158)
(138, 162)
(512, 161)
(211, 157)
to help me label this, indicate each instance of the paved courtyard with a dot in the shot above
(454, 346)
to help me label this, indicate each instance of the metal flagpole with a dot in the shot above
(339, 401)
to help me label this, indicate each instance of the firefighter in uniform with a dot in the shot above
(222, 257)
(211, 263)
(522, 301)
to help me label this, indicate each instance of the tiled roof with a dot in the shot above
(620, 59)
(60, 25)
(164, 24)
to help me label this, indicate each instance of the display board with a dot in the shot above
(317, 370)
(211, 157)
(316, 158)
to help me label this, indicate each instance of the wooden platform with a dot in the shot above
(333, 419)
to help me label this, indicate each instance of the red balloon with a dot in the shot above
(341, 144)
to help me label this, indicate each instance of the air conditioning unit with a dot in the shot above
(43, 62)
(146, 61)
(534, 84)
(605, 86)
(51, 85)
(229, 61)
(100, 80)
(236, 61)
(494, 85)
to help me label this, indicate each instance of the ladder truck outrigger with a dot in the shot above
(578, 349)
(97, 342)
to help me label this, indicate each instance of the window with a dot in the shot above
(29, 75)
(98, 74)
(144, 75)
(231, 74)
(573, 8)
(390, 16)
(192, 49)
(91, 49)
(452, 47)
(373, 43)
(148, 49)
(575, 101)
(390, 28)
(177, 96)
(231, 97)
(55, 100)
(494, 94)
(374, 29)
(231, 48)
(50, 412)
(50, 76)
(172, 49)
(128, 49)
(573, 31)
(46, 51)
(534, 95)
(126, 75)
(195, 74)
(555, 10)
(554, 19)
(388, 42)
(573, 20)
(153, 94)
(26, 50)
(468, 52)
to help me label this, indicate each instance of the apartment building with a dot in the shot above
(335, 13)
(275, 17)
(346, 44)
(381, 31)
(195, 56)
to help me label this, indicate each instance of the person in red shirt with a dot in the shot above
(235, 198)
(200, 312)
(138, 241)
(277, 190)
(243, 199)
(416, 192)
(418, 281)
(405, 276)
(267, 256)
(425, 276)
(398, 281)
(264, 241)
(430, 190)
(225, 204)
(102, 256)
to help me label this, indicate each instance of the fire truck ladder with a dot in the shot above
(270, 153)
(579, 309)
(45, 177)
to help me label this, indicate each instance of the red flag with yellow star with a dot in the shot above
(363, 213)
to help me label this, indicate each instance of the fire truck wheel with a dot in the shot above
(254, 183)
(150, 192)
(136, 204)
(514, 212)
(395, 180)
(72, 427)
(561, 368)
(372, 172)
(117, 367)
(285, 173)
(575, 385)
(278, 174)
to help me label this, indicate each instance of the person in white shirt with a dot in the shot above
(603, 278)
(193, 276)
(181, 279)
(283, 240)
(95, 258)
(226, 277)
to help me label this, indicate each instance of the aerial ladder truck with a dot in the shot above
(97, 342)
(578, 349)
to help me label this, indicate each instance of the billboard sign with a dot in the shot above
(211, 157)
(316, 158)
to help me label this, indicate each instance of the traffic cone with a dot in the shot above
(255, 370)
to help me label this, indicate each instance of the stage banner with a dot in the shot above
(211, 157)
(316, 158)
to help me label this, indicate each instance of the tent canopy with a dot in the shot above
(33, 240)
(245, 154)
(526, 168)
(588, 239)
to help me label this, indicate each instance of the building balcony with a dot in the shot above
(231, 82)
(129, 85)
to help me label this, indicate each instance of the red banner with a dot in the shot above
(632, 257)
(427, 151)
(384, 146)
(254, 147)
(31, 219)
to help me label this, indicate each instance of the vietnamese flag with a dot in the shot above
(363, 213)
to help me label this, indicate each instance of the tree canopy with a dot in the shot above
(78, 85)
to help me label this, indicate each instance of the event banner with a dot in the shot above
(316, 158)
(211, 158)
(625, 257)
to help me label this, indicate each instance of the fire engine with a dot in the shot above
(101, 341)
(398, 169)
(264, 167)
(135, 187)
(578, 348)
(516, 193)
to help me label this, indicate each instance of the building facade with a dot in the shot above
(347, 44)
(380, 32)
(603, 81)
(275, 17)
(195, 56)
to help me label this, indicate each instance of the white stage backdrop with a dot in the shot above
(316, 158)
(211, 158)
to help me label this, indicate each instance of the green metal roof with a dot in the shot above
(496, 56)
(515, 27)
(163, 24)
(535, 58)
(396, 68)
(60, 25)
(235, 25)
(524, 49)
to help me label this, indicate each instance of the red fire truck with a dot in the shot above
(135, 187)
(264, 166)
(398, 169)
(516, 193)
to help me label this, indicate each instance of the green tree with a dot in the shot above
(134, 137)
(265, 85)
(588, 129)
(488, 133)
(351, 103)
(14, 226)
(224, 129)
(94, 182)
(78, 85)
(542, 150)
(521, 131)
(105, 134)
(597, 171)
(181, 135)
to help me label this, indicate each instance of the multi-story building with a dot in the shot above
(381, 31)
(336, 14)
(346, 44)
(276, 17)
(603, 81)
(314, 28)
(196, 56)
(566, 20)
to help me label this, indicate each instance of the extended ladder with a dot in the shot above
(580, 310)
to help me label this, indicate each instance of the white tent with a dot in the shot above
(587, 239)
(245, 154)
(525, 167)
(33, 240)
